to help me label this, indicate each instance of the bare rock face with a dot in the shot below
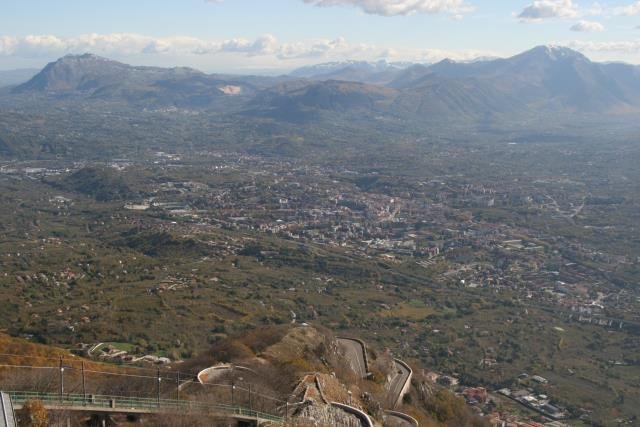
(321, 415)
(317, 394)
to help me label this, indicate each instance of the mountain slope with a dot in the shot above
(91, 77)
(304, 99)
(435, 98)
(544, 78)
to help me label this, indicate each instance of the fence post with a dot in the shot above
(178, 386)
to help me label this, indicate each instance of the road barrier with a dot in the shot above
(364, 418)
(202, 375)
(407, 383)
(364, 351)
(405, 417)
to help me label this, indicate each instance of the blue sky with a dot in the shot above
(275, 35)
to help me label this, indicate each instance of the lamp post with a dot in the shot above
(61, 378)
(62, 368)
(61, 382)
(233, 394)
(84, 387)
(158, 388)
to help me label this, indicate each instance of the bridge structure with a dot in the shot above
(140, 405)
(7, 414)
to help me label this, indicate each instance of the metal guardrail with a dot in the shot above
(122, 404)
(406, 417)
(364, 418)
(407, 382)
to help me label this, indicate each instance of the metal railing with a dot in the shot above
(138, 404)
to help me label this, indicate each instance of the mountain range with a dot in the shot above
(379, 72)
(546, 80)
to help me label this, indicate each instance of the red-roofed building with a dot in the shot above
(478, 394)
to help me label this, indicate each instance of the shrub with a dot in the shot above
(34, 414)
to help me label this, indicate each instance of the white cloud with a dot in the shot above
(264, 45)
(126, 44)
(131, 44)
(545, 9)
(320, 48)
(596, 9)
(540, 10)
(401, 7)
(457, 8)
(263, 52)
(587, 26)
(628, 10)
(616, 47)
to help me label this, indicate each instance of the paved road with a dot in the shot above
(354, 353)
(209, 375)
(94, 348)
(400, 377)
(395, 421)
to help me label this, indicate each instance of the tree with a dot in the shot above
(34, 414)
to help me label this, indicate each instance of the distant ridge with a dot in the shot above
(378, 72)
(545, 77)
(93, 77)
(543, 80)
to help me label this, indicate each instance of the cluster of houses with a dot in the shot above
(497, 419)
(485, 402)
(538, 402)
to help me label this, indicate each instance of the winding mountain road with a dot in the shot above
(391, 420)
(398, 381)
(353, 351)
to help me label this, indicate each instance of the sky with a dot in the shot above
(272, 36)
